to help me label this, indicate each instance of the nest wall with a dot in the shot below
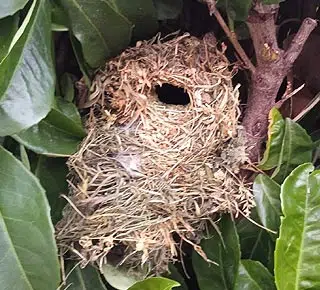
(148, 170)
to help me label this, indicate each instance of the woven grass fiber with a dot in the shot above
(151, 174)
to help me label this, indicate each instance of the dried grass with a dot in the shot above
(146, 169)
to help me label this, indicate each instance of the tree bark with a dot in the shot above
(273, 64)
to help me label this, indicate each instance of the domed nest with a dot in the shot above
(161, 156)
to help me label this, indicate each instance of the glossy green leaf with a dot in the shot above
(296, 149)
(222, 248)
(84, 279)
(27, 74)
(65, 115)
(256, 243)
(297, 255)
(45, 138)
(253, 275)
(288, 146)
(59, 18)
(59, 134)
(120, 278)
(84, 67)
(99, 27)
(267, 199)
(141, 13)
(28, 253)
(24, 157)
(9, 27)
(156, 283)
(10, 7)
(52, 173)
(275, 137)
(168, 9)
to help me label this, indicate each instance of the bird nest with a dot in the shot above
(154, 169)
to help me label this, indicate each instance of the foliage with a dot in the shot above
(28, 251)
(297, 256)
(28, 61)
(83, 279)
(288, 145)
(278, 248)
(155, 283)
(224, 251)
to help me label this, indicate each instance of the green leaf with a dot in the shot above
(45, 138)
(24, 157)
(297, 255)
(10, 7)
(65, 115)
(84, 279)
(102, 31)
(168, 9)
(119, 277)
(224, 249)
(256, 244)
(67, 87)
(296, 149)
(59, 18)
(267, 198)
(28, 253)
(288, 146)
(141, 13)
(274, 143)
(52, 173)
(254, 276)
(9, 27)
(59, 134)
(84, 67)
(27, 74)
(156, 283)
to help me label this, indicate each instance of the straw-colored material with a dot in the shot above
(148, 170)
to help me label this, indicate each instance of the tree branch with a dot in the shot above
(231, 35)
(273, 65)
(263, 33)
(298, 41)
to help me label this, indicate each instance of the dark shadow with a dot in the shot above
(172, 95)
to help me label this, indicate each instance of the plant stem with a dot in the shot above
(231, 35)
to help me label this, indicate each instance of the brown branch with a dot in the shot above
(273, 65)
(296, 46)
(231, 35)
(263, 34)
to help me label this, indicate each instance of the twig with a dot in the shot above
(295, 48)
(231, 35)
(311, 105)
(281, 102)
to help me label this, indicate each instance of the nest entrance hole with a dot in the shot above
(172, 95)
